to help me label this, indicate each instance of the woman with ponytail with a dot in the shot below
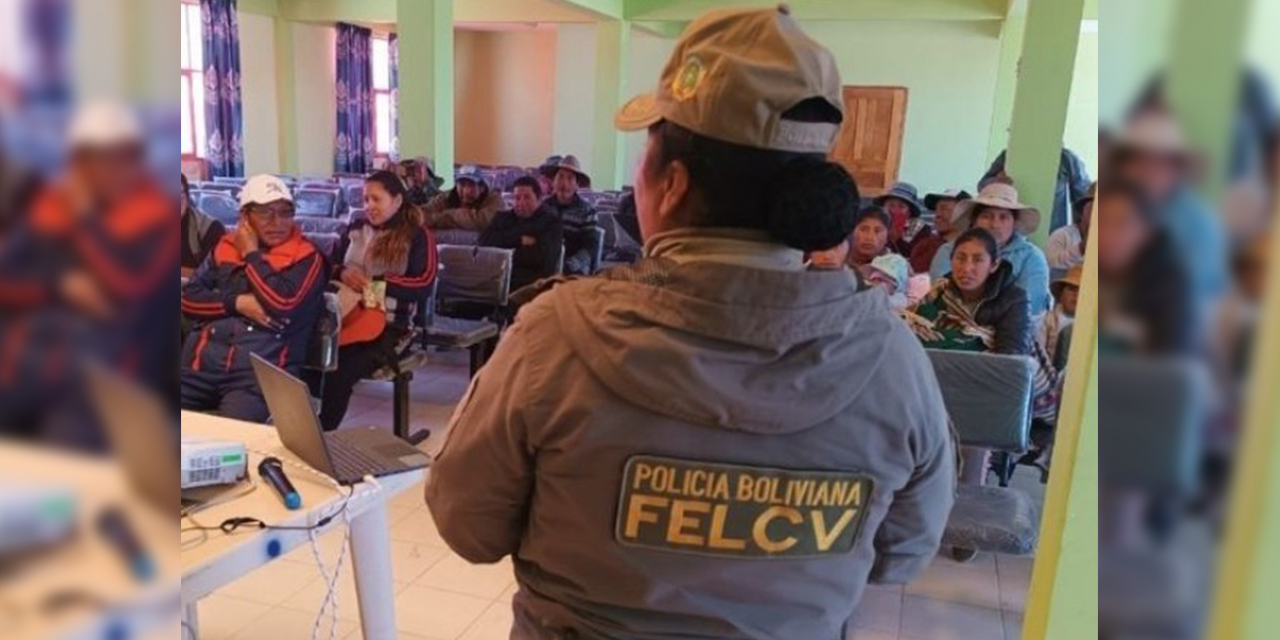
(384, 266)
(638, 438)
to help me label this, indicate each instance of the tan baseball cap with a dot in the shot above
(732, 76)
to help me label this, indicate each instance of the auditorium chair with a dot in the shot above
(988, 399)
(474, 284)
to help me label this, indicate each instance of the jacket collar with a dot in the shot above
(736, 247)
(282, 256)
(999, 281)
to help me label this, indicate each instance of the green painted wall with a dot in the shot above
(1131, 60)
(1263, 46)
(575, 85)
(1081, 134)
(259, 93)
(949, 70)
(649, 55)
(313, 55)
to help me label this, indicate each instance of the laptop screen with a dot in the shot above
(296, 423)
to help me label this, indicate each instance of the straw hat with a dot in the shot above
(1072, 277)
(569, 162)
(1004, 196)
(1155, 132)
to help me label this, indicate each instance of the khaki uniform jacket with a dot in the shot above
(688, 449)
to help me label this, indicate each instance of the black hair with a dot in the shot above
(800, 199)
(873, 211)
(983, 237)
(528, 181)
(1137, 196)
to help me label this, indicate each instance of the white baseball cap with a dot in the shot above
(264, 189)
(103, 124)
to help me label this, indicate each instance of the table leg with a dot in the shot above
(371, 562)
(190, 621)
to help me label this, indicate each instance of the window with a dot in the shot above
(193, 132)
(381, 60)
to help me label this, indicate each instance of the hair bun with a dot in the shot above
(815, 205)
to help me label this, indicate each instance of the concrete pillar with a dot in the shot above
(608, 149)
(286, 97)
(1011, 37)
(425, 28)
(1041, 101)
(1209, 39)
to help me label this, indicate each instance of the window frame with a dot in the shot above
(192, 78)
(380, 153)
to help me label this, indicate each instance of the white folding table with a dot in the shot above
(212, 561)
(102, 598)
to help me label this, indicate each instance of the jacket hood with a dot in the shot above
(720, 345)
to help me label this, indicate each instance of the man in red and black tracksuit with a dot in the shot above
(260, 292)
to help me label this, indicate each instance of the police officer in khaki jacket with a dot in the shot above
(715, 442)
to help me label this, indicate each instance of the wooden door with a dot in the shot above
(869, 146)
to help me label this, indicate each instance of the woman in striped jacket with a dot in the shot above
(385, 266)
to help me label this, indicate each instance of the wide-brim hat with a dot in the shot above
(905, 192)
(431, 170)
(567, 162)
(931, 201)
(1156, 132)
(1003, 196)
(1072, 277)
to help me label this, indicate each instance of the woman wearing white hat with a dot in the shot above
(998, 210)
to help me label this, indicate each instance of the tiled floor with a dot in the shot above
(442, 597)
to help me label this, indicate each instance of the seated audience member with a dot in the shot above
(531, 230)
(870, 238)
(545, 174)
(392, 247)
(1073, 183)
(419, 175)
(470, 205)
(997, 210)
(836, 257)
(1066, 245)
(978, 306)
(260, 292)
(891, 273)
(1152, 154)
(200, 233)
(1147, 305)
(577, 218)
(943, 206)
(1066, 291)
(908, 229)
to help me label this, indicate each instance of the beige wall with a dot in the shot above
(504, 96)
(258, 87)
(313, 78)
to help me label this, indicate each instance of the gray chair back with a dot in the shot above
(353, 195)
(1152, 415)
(219, 206)
(319, 203)
(322, 353)
(474, 274)
(988, 396)
(459, 237)
(229, 180)
(325, 242)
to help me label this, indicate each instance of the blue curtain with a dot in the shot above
(394, 58)
(353, 149)
(222, 109)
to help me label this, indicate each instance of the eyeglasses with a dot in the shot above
(267, 213)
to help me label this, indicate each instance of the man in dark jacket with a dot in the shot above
(260, 292)
(200, 233)
(1073, 184)
(532, 231)
(576, 215)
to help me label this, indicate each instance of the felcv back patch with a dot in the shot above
(717, 509)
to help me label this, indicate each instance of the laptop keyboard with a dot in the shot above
(350, 462)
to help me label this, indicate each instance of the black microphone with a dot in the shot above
(115, 529)
(272, 471)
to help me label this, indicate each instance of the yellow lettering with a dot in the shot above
(823, 494)
(854, 499)
(760, 532)
(744, 488)
(764, 489)
(837, 494)
(697, 478)
(721, 491)
(636, 513)
(777, 497)
(643, 472)
(661, 482)
(679, 522)
(718, 539)
(827, 538)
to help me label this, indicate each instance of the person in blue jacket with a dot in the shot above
(259, 292)
(998, 210)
